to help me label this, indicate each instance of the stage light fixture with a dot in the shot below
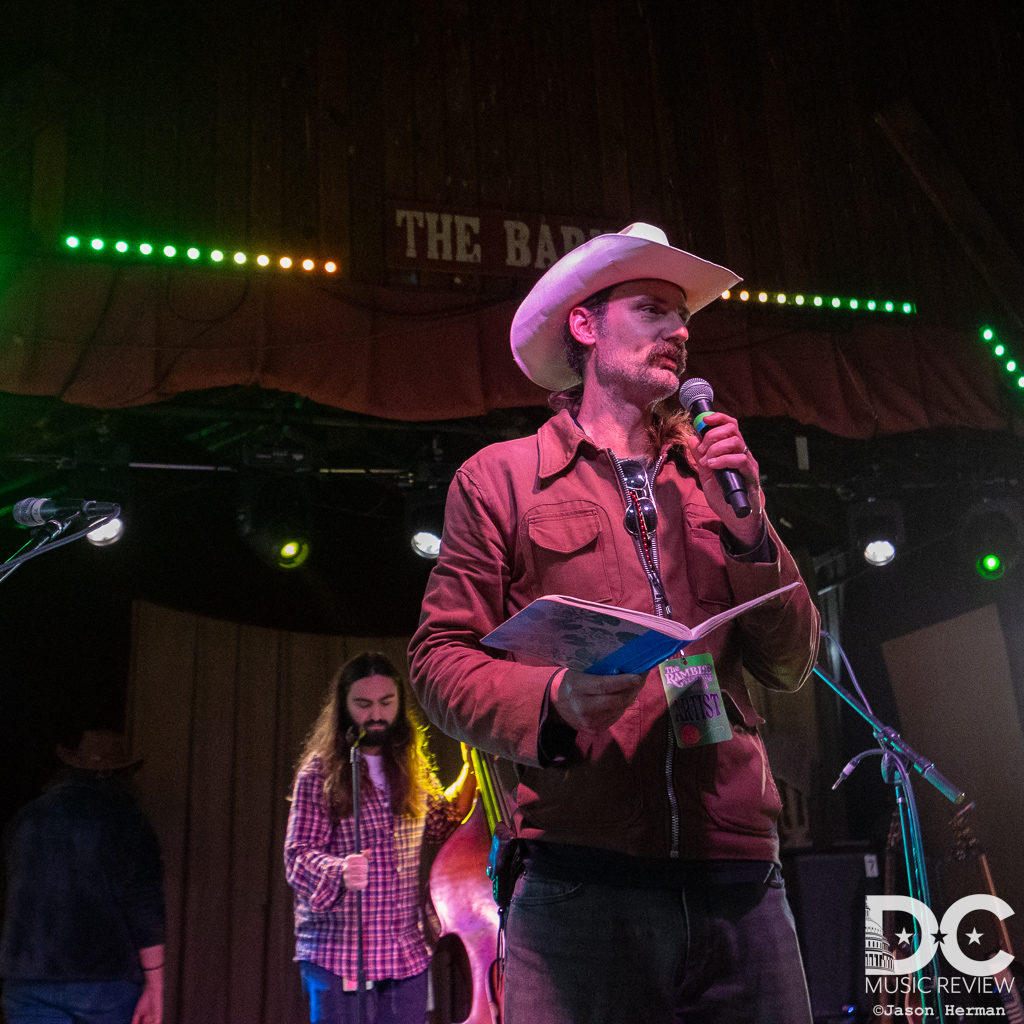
(426, 543)
(274, 522)
(876, 529)
(280, 541)
(424, 519)
(991, 536)
(107, 534)
(292, 550)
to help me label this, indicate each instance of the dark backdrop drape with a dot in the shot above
(108, 336)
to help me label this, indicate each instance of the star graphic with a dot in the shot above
(904, 937)
(939, 938)
(975, 936)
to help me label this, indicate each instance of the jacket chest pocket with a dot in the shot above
(568, 550)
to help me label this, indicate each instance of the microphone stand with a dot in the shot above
(44, 538)
(356, 823)
(898, 757)
(37, 543)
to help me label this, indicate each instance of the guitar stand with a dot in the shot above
(898, 758)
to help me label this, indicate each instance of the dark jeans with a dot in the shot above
(704, 952)
(388, 1002)
(70, 1002)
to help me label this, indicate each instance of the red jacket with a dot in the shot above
(543, 515)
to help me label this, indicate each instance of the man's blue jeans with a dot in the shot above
(70, 1002)
(709, 951)
(388, 1002)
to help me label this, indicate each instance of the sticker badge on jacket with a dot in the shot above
(695, 701)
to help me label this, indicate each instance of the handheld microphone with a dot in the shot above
(355, 736)
(696, 395)
(38, 511)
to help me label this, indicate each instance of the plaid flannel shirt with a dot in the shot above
(325, 912)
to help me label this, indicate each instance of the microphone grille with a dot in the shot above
(695, 389)
(26, 512)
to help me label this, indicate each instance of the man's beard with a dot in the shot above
(378, 734)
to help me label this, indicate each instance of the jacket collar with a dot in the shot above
(560, 439)
(558, 443)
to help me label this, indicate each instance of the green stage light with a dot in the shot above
(121, 246)
(146, 249)
(72, 241)
(990, 566)
(97, 244)
(292, 552)
(991, 536)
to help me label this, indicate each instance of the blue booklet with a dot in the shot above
(603, 639)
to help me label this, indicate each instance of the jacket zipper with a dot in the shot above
(652, 570)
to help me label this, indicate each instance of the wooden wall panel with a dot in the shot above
(220, 712)
(753, 137)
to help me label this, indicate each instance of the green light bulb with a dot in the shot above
(990, 566)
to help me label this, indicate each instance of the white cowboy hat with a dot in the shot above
(639, 252)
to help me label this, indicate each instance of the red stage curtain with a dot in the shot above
(106, 336)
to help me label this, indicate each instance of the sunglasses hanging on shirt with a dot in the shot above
(641, 518)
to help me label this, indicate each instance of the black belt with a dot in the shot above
(586, 864)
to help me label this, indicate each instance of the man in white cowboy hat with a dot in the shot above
(651, 888)
(83, 934)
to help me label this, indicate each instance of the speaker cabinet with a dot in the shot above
(827, 892)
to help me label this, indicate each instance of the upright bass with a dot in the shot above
(464, 894)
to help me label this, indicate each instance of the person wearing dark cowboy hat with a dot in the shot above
(652, 889)
(84, 925)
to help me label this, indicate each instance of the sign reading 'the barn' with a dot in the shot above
(481, 241)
